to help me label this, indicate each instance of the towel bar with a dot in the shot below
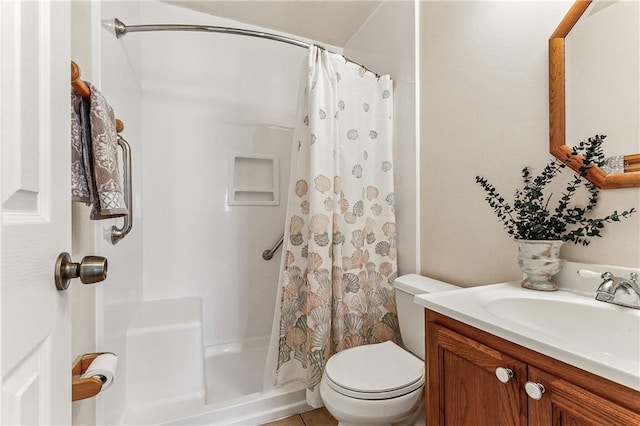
(119, 233)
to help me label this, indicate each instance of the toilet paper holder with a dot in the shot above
(82, 388)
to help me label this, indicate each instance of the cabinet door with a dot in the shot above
(565, 404)
(462, 387)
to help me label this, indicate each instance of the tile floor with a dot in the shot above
(318, 417)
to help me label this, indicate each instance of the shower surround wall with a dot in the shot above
(205, 98)
(190, 101)
(116, 71)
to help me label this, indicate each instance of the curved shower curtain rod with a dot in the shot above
(120, 29)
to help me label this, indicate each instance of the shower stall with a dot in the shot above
(190, 300)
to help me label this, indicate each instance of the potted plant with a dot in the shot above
(540, 224)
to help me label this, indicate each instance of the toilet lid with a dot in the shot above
(378, 371)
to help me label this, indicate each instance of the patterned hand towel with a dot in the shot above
(109, 200)
(95, 178)
(80, 146)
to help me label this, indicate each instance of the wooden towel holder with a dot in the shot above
(83, 90)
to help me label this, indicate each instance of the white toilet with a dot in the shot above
(381, 384)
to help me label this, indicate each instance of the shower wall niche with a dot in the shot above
(253, 180)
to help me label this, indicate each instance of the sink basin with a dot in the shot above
(598, 337)
(605, 330)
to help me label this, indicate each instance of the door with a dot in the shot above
(462, 379)
(565, 404)
(36, 211)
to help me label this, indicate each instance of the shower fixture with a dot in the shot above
(120, 29)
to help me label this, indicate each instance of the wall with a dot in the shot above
(101, 312)
(117, 74)
(205, 98)
(386, 44)
(484, 100)
(82, 296)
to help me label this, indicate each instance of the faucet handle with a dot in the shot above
(593, 274)
(634, 277)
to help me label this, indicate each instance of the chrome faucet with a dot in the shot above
(611, 286)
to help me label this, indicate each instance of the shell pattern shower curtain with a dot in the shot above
(339, 258)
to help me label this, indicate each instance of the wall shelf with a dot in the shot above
(253, 180)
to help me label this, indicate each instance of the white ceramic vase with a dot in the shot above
(540, 261)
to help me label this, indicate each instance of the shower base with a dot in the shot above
(252, 409)
(231, 392)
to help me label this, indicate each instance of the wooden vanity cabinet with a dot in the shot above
(462, 387)
(465, 374)
(564, 403)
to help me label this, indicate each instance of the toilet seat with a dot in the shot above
(374, 372)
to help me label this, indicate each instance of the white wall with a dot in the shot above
(117, 75)
(101, 312)
(206, 97)
(484, 100)
(386, 45)
(82, 296)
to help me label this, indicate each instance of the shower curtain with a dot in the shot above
(339, 258)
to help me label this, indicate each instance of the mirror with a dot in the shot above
(594, 86)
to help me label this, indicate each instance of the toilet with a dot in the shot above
(382, 383)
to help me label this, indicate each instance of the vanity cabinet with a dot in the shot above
(564, 403)
(463, 387)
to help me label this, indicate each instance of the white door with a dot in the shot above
(36, 211)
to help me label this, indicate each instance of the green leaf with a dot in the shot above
(533, 215)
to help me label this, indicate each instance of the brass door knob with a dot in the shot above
(91, 269)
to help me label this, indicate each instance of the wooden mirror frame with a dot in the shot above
(557, 117)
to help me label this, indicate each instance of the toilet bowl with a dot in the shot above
(373, 384)
(382, 383)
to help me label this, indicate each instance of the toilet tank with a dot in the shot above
(411, 315)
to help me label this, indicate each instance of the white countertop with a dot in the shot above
(598, 337)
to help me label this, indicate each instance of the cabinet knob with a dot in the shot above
(504, 374)
(534, 390)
